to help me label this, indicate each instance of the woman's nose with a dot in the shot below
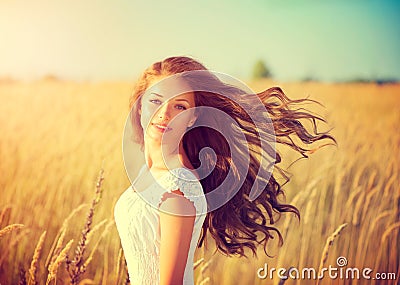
(164, 111)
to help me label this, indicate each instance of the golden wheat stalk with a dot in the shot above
(328, 245)
(53, 267)
(368, 200)
(35, 259)
(3, 213)
(298, 202)
(310, 208)
(119, 260)
(15, 240)
(94, 230)
(371, 180)
(356, 214)
(197, 263)
(366, 233)
(10, 228)
(357, 177)
(205, 266)
(388, 185)
(336, 190)
(352, 196)
(57, 248)
(204, 281)
(60, 240)
(389, 230)
(63, 229)
(105, 262)
(106, 230)
(75, 267)
(74, 211)
(378, 218)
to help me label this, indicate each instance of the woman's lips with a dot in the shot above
(161, 127)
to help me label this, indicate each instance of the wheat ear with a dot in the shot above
(75, 267)
(60, 232)
(118, 264)
(35, 259)
(53, 267)
(204, 281)
(105, 231)
(3, 213)
(389, 230)
(328, 245)
(56, 249)
(197, 263)
(94, 230)
(10, 228)
(15, 240)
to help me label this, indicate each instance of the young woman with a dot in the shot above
(209, 148)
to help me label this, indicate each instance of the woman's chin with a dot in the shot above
(160, 138)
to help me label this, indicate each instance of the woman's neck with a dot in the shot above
(163, 157)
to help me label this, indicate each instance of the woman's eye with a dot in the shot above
(155, 101)
(180, 107)
(158, 102)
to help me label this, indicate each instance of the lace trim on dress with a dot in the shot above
(186, 182)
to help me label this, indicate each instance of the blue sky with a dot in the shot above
(99, 39)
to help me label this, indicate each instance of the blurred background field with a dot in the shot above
(57, 135)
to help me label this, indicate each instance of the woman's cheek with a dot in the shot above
(181, 122)
(145, 116)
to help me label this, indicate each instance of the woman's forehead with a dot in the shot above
(170, 88)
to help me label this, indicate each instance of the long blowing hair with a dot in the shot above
(241, 222)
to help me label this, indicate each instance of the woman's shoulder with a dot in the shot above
(186, 183)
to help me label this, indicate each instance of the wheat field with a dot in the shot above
(56, 207)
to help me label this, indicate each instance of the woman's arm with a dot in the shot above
(176, 234)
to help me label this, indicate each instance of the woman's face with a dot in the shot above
(165, 111)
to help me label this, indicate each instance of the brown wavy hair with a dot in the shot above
(241, 222)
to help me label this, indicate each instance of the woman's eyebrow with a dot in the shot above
(159, 95)
(182, 100)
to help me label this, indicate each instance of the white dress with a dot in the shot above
(137, 219)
